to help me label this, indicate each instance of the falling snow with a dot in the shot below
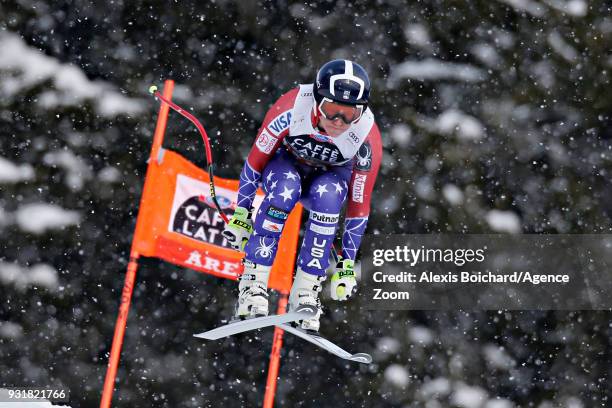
(495, 118)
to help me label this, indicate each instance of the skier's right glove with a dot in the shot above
(343, 282)
(239, 228)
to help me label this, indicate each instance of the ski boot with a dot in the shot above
(253, 292)
(305, 291)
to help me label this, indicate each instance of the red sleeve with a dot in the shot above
(364, 175)
(274, 128)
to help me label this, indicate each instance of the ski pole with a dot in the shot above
(209, 159)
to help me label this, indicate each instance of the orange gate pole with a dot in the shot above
(113, 362)
(273, 367)
(130, 277)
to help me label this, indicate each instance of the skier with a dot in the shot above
(318, 144)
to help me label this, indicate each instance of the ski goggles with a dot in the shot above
(347, 113)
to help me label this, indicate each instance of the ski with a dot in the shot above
(239, 326)
(327, 345)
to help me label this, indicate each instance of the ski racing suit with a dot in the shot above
(296, 162)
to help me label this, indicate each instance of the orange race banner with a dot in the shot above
(179, 223)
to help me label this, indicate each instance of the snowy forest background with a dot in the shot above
(495, 118)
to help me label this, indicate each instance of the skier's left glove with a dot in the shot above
(239, 229)
(343, 282)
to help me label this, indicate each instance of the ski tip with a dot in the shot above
(363, 358)
(152, 89)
